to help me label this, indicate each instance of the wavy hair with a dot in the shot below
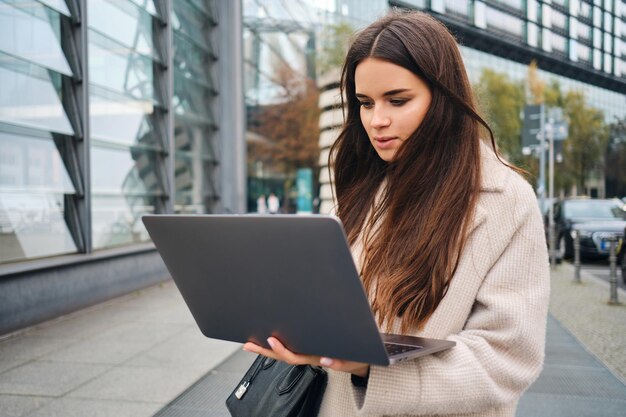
(413, 235)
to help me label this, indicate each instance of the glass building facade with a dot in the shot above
(109, 110)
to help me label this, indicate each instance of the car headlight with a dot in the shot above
(581, 233)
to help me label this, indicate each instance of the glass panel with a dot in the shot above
(30, 96)
(147, 5)
(119, 68)
(194, 191)
(124, 171)
(558, 42)
(116, 220)
(191, 61)
(194, 139)
(504, 22)
(516, 4)
(458, 6)
(124, 22)
(187, 20)
(32, 225)
(32, 164)
(32, 31)
(191, 99)
(58, 5)
(121, 119)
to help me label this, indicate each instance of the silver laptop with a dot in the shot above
(248, 277)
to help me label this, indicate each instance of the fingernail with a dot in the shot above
(326, 361)
(246, 348)
(270, 341)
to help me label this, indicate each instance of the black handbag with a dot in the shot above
(272, 388)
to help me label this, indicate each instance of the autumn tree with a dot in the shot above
(289, 128)
(502, 101)
(334, 43)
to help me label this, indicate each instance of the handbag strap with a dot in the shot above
(243, 387)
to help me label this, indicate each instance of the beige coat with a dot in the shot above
(495, 310)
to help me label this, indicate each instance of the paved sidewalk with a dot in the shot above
(126, 357)
(142, 354)
(583, 309)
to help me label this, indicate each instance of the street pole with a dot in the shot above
(613, 276)
(551, 195)
(577, 257)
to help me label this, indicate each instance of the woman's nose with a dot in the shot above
(380, 119)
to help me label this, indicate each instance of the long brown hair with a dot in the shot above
(413, 235)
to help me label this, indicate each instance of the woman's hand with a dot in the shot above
(281, 353)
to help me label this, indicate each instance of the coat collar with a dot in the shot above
(492, 171)
(493, 175)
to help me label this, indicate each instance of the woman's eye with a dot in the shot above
(397, 102)
(366, 104)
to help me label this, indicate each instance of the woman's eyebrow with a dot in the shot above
(387, 93)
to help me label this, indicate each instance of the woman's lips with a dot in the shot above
(385, 142)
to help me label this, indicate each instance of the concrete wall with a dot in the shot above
(33, 296)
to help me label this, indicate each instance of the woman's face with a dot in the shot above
(393, 101)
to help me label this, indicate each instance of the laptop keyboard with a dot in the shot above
(394, 348)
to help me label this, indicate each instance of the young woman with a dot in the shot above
(447, 236)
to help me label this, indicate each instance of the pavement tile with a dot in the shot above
(71, 407)
(31, 346)
(47, 378)
(6, 364)
(137, 332)
(20, 405)
(139, 384)
(548, 405)
(98, 351)
(188, 349)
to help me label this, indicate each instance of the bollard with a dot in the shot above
(552, 245)
(577, 257)
(613, 277)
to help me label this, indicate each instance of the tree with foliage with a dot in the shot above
(502, 101)
(289, 128)
(334, 46)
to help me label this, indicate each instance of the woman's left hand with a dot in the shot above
(279, 352)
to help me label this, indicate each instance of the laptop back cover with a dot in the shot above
(248, 277)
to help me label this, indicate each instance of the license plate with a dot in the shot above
(606, 245)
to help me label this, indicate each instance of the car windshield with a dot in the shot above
(594, 209)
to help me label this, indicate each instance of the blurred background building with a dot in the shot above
(110, 109)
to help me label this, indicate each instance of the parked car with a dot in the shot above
(595, 220)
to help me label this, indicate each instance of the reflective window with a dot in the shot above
(191, 60)
(30, 96)
(116, 220)
(190, 99)
(119, 68)
(124, 22)
(608, 42)
(186, 19)
(58, 5)
(531, 10)
(559, 43)
(559, 20)
(584, 31)
(458, 6)
(504, 22)
(516, 4)
(585, 10)
(32, 31)
(584, 52)
(532, 34)
(194, 188)
(134, 171)
(32, 164)
(32, 225)
(147, 5)
(121, 119)
(196, 139)
(608, 22)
